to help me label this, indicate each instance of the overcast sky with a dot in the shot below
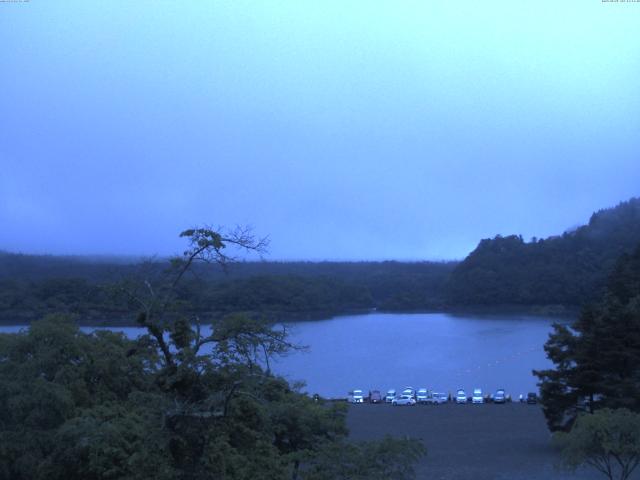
(341, 129)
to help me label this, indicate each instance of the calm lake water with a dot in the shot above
(439, 351)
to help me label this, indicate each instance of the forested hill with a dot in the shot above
(569, 270)
(32, 286)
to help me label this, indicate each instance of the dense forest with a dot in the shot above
(570, 269)
(32, 286)
(173, 404)
(567, 271)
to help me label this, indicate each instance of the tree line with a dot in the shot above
(285, 290)
(176, 403)
(568, 271)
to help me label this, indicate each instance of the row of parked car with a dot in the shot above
(411, 396)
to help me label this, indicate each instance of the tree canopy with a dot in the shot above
(179, 402)
(570, 269)
(608, 440)
(597, 358)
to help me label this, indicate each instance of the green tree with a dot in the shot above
(223, 396)
(180, 402)
(608, 440)
(55, 379)
(597, 358)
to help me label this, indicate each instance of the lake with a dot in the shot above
(439, 351)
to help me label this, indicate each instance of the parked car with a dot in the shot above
(532, 398)
(422, 395)
(391, 394)
(436, 398)
(357, 396)
(404, 400)
(409, 391)
(500, 396)
(375, 396)
(461, 396)
(477, 396)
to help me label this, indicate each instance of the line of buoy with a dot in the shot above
(496, 362)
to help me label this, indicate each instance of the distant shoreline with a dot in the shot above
(128, 320)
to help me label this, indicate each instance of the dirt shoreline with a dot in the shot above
(478, 442)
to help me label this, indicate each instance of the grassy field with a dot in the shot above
(478, 442)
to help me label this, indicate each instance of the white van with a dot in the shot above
(477, 396)
(391, 394)
(357, 396)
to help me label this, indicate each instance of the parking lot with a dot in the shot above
(479, 442)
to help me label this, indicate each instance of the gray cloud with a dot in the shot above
(345, 132)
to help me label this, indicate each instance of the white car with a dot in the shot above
(422, 396)
(500, 396)
(391, 394)
(461, 396)
(404, 400)
(409, 391)
(357, 396)
(477, 396)
(437, 398)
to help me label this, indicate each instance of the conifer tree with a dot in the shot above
(597, 358)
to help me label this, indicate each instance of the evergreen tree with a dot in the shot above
(597, 358)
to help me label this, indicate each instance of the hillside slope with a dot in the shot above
(570, 269)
